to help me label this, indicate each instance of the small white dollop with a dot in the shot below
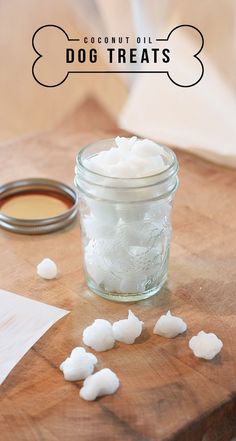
(205, 345)
(79, 365)
(47, 269)
(125, 144)
(169, 326)
(99, 335)
(127, 330)
(103, 382)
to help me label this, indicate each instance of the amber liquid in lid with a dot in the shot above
(35, 205)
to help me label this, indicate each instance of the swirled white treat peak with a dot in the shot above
(129, 158)
(127, 330)
(169, 326)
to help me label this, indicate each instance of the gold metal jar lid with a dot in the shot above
(36, 206)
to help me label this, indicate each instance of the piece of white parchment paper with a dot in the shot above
(22, 322)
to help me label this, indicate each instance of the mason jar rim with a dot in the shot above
(123, 202)
(171, 169)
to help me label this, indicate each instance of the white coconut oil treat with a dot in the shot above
(99, 335)
(127, 330)
(169, 326)
(79, 365)
(125, 187)
(103, 382)
(130, 158)
(47, 269)
(205, 345)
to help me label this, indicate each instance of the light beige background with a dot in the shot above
(25, 106)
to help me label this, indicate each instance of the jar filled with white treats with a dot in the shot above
(126, 187)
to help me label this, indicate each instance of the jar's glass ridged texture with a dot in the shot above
(126, 227)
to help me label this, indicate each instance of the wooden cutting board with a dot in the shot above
(166, 393)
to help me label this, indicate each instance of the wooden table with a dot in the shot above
(166, 393)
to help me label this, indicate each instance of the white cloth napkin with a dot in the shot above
(22, 322)
(201, 119)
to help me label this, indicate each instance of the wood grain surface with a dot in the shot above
(166, 393)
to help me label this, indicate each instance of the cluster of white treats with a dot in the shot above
(126, 243)
(126, 257)
(80, 366)
(130, 158)
(101, 335)
(204, 345)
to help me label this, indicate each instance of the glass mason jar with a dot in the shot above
(126, 227)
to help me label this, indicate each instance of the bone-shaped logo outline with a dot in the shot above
(194, 55)
(118, 71)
